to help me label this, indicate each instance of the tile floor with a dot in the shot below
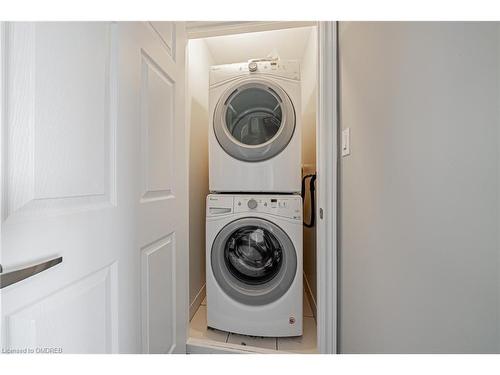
(303, 344)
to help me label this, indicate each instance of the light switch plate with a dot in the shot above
(346, 142)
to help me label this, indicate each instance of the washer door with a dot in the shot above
(254, 120)
(253, 261)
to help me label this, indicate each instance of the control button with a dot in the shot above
(252, 204)
(252, 66)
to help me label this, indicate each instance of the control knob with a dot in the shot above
(252, 66)
(252, 204)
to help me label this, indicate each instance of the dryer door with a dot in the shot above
(254, 120)
(254, 261)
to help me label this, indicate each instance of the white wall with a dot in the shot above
(419, 223)
(199, 61)
(308, 67)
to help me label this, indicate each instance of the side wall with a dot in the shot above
(199, 61)
(309, 66)
(419, 245)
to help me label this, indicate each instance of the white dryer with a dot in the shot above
(255, 127)
(254, 264)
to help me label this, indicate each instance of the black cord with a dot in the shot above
(312, 190)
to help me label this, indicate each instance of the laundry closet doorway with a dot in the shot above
(318, 149)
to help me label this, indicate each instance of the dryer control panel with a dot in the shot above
(280, 68)
(289, 206)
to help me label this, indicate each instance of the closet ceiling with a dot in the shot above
(289, 44)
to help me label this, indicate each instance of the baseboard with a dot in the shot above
(310, 297)
(197, 302)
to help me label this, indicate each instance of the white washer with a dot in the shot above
(254, 264)
(255, 127)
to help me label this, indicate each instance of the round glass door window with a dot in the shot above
(254, 121)
(253, 261)
(253, 255)
(253, 116)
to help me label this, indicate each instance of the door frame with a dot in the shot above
(326, 159)
(326, 156)
(2, 145)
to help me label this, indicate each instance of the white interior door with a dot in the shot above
(153, 89)
(90, 174)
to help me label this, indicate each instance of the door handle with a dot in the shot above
(12, 277)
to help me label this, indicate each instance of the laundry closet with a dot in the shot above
(257, 90)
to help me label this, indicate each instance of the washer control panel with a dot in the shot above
(286, 206)
(289, 206)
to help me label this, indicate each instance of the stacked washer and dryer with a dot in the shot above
(254, 211)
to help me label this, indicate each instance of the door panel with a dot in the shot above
(156, 108)
(159, 293)
(86, 308)
(167, 33)
(92, 151)
(49, 100)
(157, 123)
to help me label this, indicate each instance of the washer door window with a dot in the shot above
(254, 121)
(253, 261)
